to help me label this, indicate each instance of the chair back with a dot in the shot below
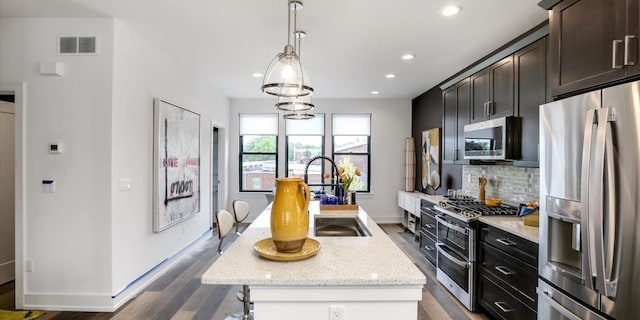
(224, 223)
(241, 210)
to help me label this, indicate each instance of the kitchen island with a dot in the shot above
(352, 277)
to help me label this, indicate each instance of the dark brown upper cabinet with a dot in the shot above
(455, 115)
(492, 91)
(592, 43)
(531, 91)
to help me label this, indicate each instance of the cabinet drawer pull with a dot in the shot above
(429, 248)
(627, 50)
(504, 270)
(506, 242)
(503, 306)
(490, 108)
(614, 60)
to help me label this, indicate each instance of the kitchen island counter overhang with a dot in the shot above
(366, 277)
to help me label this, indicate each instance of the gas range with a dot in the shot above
(469, 209)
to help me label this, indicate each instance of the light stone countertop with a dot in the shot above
(435, 199)
(509, 224)
(513, 225)
(341, 261)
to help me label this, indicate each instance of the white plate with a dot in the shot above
(435, 179)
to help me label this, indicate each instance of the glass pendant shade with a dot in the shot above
(285, 76)
(298, 116)
(295, 104)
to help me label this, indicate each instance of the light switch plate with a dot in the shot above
(124, 184)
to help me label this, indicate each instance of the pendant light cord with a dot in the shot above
(295, 26)
(288, 22)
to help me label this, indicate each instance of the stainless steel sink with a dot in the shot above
(340, 227)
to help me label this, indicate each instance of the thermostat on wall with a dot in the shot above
(55, 147)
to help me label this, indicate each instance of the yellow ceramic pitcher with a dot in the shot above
(290, 214)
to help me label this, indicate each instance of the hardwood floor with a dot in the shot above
(179, 295)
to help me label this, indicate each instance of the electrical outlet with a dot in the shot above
(28, 265)
(336, 312)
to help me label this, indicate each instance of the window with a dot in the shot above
(258, 151)
(352, 143)
(305, 140)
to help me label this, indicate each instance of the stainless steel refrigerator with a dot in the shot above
(589, 257)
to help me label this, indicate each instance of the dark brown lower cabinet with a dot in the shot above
(428, 247)
(507, 275)
(499, 303)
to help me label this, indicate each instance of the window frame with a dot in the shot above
(367, 154)
(242, 153)
(286, 149)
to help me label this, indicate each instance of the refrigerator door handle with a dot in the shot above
(546, 296)
(588, 264)
(597, 211)
(609, 235)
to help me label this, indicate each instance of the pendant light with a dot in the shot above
(299, 116)
(285, 76)
(300, 105)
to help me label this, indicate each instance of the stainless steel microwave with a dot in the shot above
(495, 139)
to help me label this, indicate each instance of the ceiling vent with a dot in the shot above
(77, 45)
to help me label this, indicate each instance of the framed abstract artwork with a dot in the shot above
(431, 158)
(176, 156)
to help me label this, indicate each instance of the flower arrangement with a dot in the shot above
(348, 173)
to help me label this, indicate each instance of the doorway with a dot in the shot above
(18, 92)
(7, 187)
(215, 170)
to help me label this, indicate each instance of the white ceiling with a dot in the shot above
(350, 44)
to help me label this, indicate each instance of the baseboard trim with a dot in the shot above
(107, 302)
(69, 302)
(387, 219)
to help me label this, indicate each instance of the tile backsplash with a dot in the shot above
(512, 184)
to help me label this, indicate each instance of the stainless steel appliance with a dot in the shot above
(456, 231)
(495, 139)
(589, 261)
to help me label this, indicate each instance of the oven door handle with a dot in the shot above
(453, 259)
(451, 225)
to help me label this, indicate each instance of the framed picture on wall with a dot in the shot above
(431, 158)
(176, 157)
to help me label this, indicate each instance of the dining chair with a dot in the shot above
(240, 211)
(224, 224)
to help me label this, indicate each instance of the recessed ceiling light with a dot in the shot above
(450, 10)
(375, 92)
(257, 75)
(390, 76)
(408, 56)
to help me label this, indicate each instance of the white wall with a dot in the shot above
(67, 233)
(390, 124)
(141, 73)
(89, 240)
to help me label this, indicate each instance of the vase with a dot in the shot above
(409, 165)
(350, 197)
(290, 214)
